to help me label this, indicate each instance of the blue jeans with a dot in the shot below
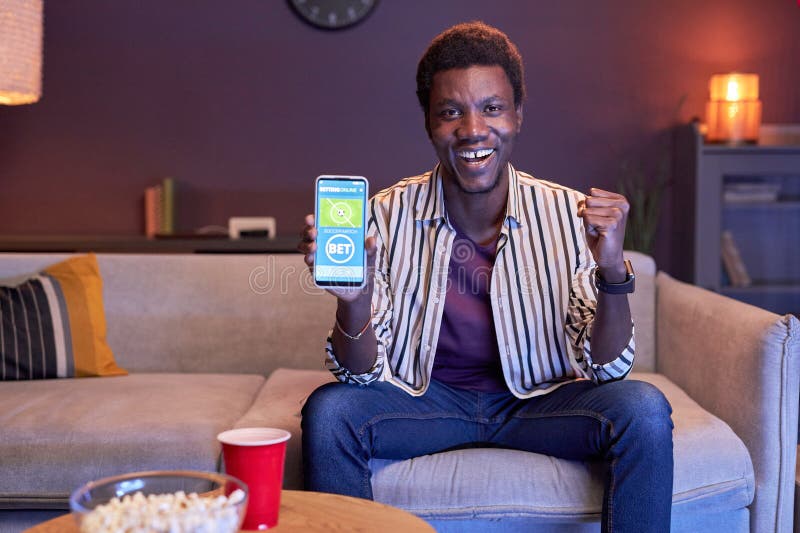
(625, 424)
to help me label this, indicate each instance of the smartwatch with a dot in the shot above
(624, 287)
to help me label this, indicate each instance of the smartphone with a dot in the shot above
(340, 216)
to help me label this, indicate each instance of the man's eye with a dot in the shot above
(493, 108)
(450, 113)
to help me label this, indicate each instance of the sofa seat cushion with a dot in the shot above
(713, 470)
(58, 434)
(713, 473)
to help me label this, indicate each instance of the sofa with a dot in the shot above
(213, 342)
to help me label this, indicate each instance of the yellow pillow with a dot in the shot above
(53, 325)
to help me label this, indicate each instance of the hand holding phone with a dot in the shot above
(308, 247)
(345, 198)
(351, 286)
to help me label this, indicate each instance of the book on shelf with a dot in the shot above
(159, 209)
(152, 211)
(732, 262)
(168, 206)
(751, 191)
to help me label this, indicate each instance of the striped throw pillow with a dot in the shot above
(52, 325)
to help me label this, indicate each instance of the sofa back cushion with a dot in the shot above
(236, 313)
(643, 310)
(241, 313)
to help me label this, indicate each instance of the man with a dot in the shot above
(483, 324)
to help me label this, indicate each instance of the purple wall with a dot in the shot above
(244, 104)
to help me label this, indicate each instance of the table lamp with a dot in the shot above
(733, 112)
(20, 51)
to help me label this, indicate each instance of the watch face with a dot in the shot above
(333, 14)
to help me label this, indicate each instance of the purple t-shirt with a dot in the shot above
(467, 356)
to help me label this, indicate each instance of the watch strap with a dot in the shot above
(625, 287)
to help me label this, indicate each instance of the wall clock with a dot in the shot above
(333, 14)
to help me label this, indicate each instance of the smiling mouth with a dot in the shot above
(475, 156)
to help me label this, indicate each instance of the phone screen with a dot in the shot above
(340, 217)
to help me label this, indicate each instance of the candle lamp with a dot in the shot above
(733, 112)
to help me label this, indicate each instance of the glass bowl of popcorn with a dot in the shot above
(168, 501)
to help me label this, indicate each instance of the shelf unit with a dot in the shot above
(766, 233)
(135, 244)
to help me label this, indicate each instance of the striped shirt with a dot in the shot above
(542, 288)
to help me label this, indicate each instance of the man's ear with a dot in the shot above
(519, 117)
(428, 124)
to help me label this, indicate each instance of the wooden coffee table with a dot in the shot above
(309, 512)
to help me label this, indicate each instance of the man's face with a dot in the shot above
(472, 123)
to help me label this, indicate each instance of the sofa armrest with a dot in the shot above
(742, 364)
(278, 405)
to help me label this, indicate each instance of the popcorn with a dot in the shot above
(166, 513)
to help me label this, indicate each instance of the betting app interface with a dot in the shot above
(340, 231)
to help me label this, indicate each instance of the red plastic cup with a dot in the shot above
(256, 456)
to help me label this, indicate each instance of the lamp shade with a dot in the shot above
(733, 112)
(733, 87)
(20, 51)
